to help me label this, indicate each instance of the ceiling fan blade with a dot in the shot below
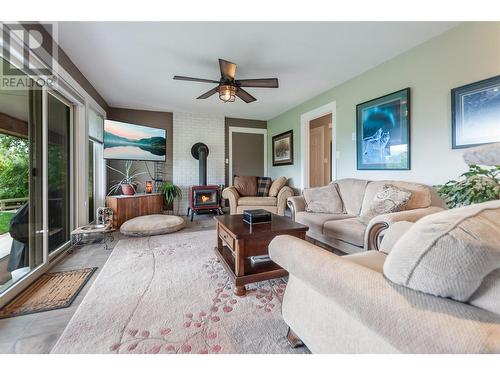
(245, 96)
(182, 78)
(208, 93)
(259, 82)
(227, 69)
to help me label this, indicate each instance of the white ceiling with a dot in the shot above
(132, 64)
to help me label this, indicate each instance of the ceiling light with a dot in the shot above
(227, 93)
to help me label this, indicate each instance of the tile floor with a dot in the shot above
(37, 333)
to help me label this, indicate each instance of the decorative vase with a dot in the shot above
(127, 189)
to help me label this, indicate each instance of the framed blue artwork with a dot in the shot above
(475, 113)
(383, 132)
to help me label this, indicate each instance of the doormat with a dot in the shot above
(52, 291)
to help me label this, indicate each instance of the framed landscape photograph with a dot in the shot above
(383, 132)
(475, 113)
(283, 148)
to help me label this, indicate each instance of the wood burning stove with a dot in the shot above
(203, 197)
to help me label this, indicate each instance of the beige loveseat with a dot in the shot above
(238, 204)
(347, 304)
(346, 232)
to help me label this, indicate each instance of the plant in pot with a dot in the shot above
(477, 185)
(128, 183)
(171, 192)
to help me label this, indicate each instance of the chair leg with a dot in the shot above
(293, 339)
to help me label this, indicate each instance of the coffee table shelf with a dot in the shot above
(253, 272)
(238, 241)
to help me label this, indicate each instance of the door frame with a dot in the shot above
(305, 118)
(237, 129)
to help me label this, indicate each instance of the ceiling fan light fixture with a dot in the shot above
(227, 93)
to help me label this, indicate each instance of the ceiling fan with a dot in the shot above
(228, 87)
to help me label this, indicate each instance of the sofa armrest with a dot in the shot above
(296, 204)
(285, 193)
(411, 321)
(232, 195)
(377, 225)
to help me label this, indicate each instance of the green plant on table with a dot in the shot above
(477, 185)
(171, 192)
(129, 177)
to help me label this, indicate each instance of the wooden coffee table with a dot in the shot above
(237, 241)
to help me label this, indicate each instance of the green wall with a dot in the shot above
(465, 54)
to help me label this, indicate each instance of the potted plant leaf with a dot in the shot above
(477, 185)
(128, 183)
(171, 192)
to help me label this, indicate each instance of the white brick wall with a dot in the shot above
(188, 129)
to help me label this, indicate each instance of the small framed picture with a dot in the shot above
(283, 148)
(475, 113)
(383, 132)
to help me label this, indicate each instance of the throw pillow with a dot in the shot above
(388, 199)
(263, 186)
(325, 200)
(276, 186)
(246, 185)
(449, 253)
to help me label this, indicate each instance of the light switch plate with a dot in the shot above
(353, 136)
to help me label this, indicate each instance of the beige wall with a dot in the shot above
(248, 154)
(467, 53)
(242, 123)
(162, 120)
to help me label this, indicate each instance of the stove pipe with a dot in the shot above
(200, 153)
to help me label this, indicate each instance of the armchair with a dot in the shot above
(238, 204)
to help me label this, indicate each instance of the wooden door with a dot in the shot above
(316, 156)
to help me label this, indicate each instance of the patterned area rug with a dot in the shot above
(169, 294)
(55, 290)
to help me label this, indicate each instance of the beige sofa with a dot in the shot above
(238, 204)
(346, 232)
(345, 304)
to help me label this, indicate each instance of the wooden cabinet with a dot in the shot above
(126, 207)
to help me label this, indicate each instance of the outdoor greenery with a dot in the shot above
(477, 185)
(14, 167)
(5, 221)
(170, 193)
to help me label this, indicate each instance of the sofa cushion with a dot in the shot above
(349, 230)
(393, 234)
(325, 199)
(263, 186)
(257, 201)
(371, 259)
(352, 192)
(315, 221)
(389, 198)
(450, 253)
(277, 185)
(420, 194)
(246, 185)
(487, 296)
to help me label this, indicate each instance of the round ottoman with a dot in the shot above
(151, 225)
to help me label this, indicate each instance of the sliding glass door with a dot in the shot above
(95, 163)
(21, 184)
(58, 171)
(35, 181)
